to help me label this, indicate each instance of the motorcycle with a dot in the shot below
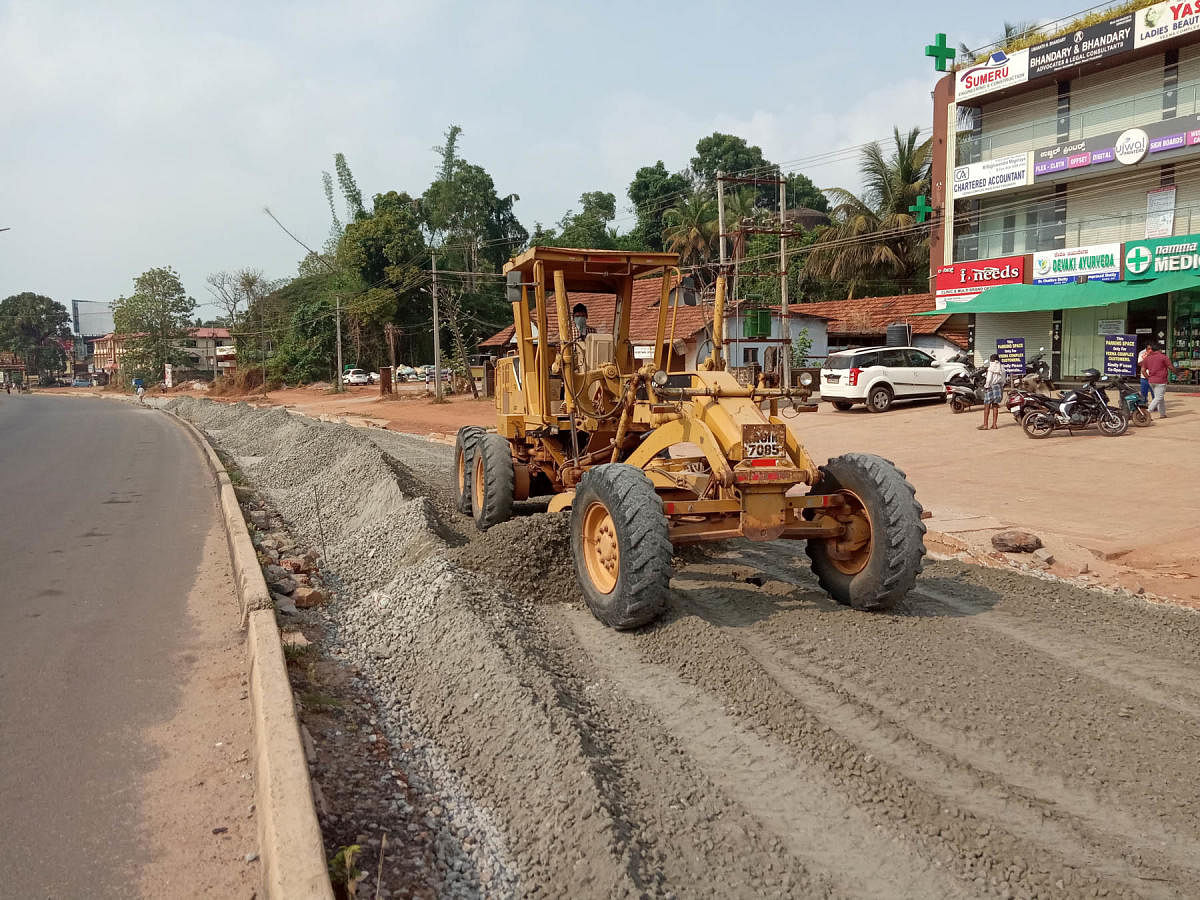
(1135, 403)
(965, 389)
(1074, 410)
(1036, 379)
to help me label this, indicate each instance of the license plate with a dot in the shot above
(833, 379)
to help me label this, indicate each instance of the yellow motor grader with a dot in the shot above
(646, 457)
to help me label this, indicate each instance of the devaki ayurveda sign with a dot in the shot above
(1099, 263)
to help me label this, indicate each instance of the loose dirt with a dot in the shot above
(997, 735)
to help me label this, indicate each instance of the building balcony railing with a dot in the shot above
(1043, 132)
(1079, 233)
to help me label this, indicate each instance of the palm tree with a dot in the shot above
(873, 237)
(1028, 32)
(691, 227)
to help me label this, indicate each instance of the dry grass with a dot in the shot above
(1036, 37)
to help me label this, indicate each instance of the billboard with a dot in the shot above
(963, 280)
(1128, 147)
(993, 175)
(1086, 45)
(1163, 21)
(995, 73)
(1101, 262)
(1149, 259)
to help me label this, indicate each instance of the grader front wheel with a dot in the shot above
(464, 464)
(875, 562)
(492, 481)
(621, 546)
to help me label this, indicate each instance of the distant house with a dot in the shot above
(209, 350)
(864, 322)
(692, 336)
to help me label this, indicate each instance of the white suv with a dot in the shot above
(877, 376)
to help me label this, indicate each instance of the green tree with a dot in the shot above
(730, 154)
(653, 191)
(155, 319)
(690, 227)
(801, 192)
(32, 325)
(589, 227)
(874, 241)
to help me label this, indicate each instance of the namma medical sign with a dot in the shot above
(1149, 259)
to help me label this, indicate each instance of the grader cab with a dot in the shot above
(647, 455)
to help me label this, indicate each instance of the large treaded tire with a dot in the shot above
(464, 461)
(897, 533)
(492, 481)
(643, 576)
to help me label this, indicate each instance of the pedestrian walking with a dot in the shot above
(1145, 387)
(1154, 369)
(141, 394)
(993, 391)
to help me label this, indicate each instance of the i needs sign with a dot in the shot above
(1149, 259)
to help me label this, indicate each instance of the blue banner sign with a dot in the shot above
(1012, 355)
(1120, 355)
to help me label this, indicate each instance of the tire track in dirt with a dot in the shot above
(1103, 662)
(1075, 826)
(826, 830)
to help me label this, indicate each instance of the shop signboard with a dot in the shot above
(1120, 355)
(998, 71)
(993, 175)
(1151, 258)
(1163, 21)
(1012, 355)
(1083, 46)
(963, 280)
(1110, 326)
(1101, 262)
(1128, 147)
(1160, 212)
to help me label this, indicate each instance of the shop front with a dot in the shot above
(1171, 315)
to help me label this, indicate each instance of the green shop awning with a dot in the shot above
(1012, 298)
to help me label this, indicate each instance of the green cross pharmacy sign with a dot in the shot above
(1151, 258)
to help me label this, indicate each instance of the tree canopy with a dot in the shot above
(32, 326)
(155, 318)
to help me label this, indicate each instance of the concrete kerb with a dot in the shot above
(289, 837)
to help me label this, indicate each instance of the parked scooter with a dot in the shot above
(1073, 410)
(965, 389)
(1135, 404)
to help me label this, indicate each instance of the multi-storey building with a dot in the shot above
(1075, 160)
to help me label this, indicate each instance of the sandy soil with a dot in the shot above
(198, 802)
(997, 735)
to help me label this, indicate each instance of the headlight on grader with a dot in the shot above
(806, 378)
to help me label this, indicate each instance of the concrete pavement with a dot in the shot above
(104, 511)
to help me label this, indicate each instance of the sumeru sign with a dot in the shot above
(1149, 259)
(1083, 46)
(998, 71)
(1101, 262)
(1128, 147)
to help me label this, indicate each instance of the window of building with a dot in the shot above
(749, 356)
(1046, 224)
(1008, 234)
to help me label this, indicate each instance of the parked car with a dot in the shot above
(879, 376)
(406, 373)
(356, 376)
(374, 377)
(81, 381)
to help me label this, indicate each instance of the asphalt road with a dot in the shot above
(104, 508)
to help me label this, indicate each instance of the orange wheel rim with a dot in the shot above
(601, 553)
(852, 551)
(461, 467)
(480, 485)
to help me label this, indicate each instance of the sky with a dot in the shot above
(139, 135)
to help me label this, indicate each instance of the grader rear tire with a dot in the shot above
(621, 546)
(877, 562)
(492, 481)
(464, 464)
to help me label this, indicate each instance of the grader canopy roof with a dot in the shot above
(590, 270)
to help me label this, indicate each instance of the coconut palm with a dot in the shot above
(873, 237)
(691, 227)
(1027, 32)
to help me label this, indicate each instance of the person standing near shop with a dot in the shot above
(1145, 381)
(1155, 367)
(993, 391)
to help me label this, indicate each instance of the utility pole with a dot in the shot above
(721, 215)
(437, 337)
(337, 325)
(785, 321)
(389, 331)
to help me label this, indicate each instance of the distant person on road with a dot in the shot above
(993, 391)
(1155, 367)
(1145, 381)
(141, 394)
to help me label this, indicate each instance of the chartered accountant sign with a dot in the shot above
(992, 175)
(964, 280)
(998, 71)
(1101, 262)
(1082, 46)
(1149, 259)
